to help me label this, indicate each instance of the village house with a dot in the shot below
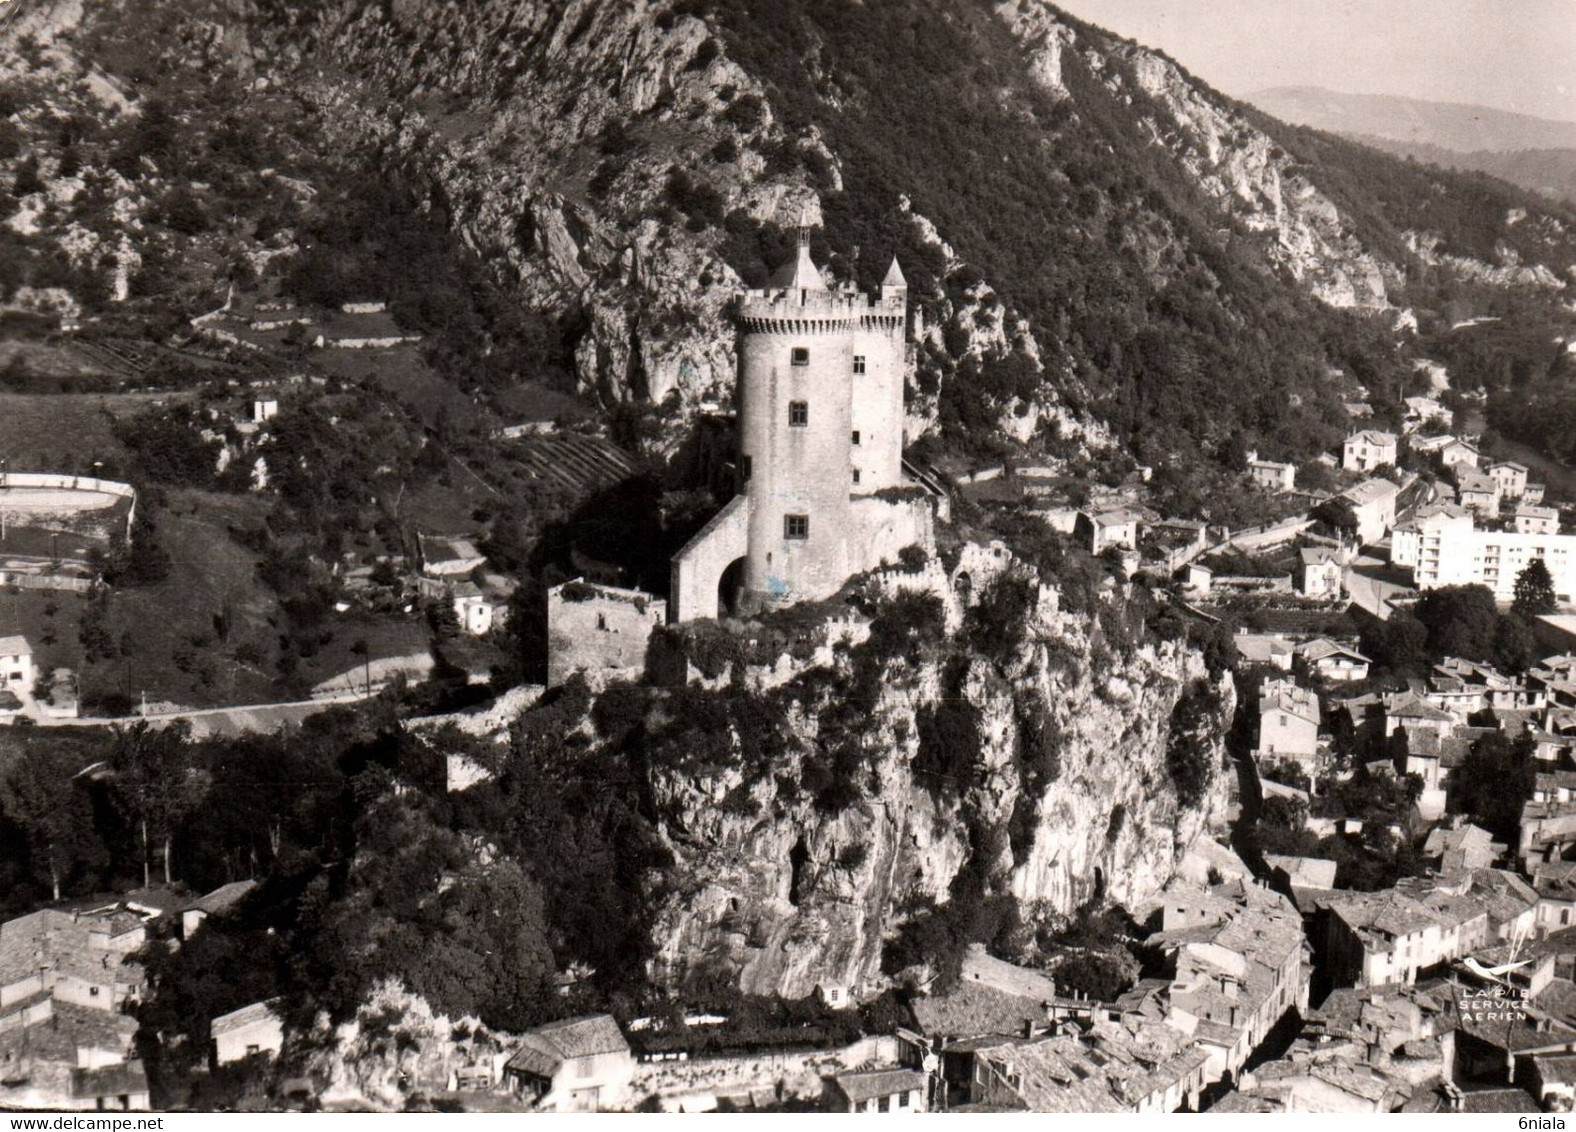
(446, 561)
(1332, 661)
(1389, 936)
(1101, 530)
(576, 1065)
(1546, 831)
(1271, 475)
(247, 1032)
(1369, 449)
(1478, 491)
(1373, 505)
(1555, 884)
(880, 1090)
(1511, 478)
(220, 900)
(477, 612)
(16, 663)
(1308, 877)
(1461, 847)
(1320, 572)
(1272, 649)
(1136, 1066)
(65, 1042)
(1532, 520)
(1288, 723)
(1459, 453)
(1237, 960)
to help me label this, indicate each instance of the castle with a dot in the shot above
(819, 449)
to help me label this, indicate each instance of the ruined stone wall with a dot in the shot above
(599, 630)
(882, 528)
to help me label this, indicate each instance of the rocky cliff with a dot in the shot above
(924, 773)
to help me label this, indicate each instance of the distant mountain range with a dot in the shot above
(1535, 153)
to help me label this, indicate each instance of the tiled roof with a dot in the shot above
(1314, 871)
(873, 1083)
(1324, 647)
(62, 942)
(225, 896)
(544, 1049)
(15, 646)
(245, 1016)
(1370, 491)
(1499, 1100)
(974, 1010)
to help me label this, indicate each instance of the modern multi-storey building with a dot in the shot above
(1448, 549)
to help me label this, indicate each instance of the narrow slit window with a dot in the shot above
(855, 436)
(859, 363)
(796, 526)
(856, 475)
(798, 414)
(801, 355)
(746, 468)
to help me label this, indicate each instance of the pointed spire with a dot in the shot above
(894, 276)
(806, 276)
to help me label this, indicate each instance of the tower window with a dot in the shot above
(796, 526)
(801, 356)
(856, 475)
(859, 363)
(798, 413)
(746, 468)
(854, 437)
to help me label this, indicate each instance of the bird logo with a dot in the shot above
(1497, 972)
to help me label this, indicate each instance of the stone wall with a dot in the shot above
(698, 568)
(602, 631)
(882, 528)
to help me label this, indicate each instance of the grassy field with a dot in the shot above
(207, 635)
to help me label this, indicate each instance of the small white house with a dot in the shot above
(264, 409)
(16, 663)
(246, 1032)
(1369, 449)
(477, 613)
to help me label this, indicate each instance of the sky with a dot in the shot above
(1517, 55)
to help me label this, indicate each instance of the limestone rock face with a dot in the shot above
(1236, 165)
(779, 896)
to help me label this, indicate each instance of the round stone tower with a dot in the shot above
(795, 392)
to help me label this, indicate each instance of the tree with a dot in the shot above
(1461, 621)
(155, 786)
(1339, 515)
(1493, 782)
(1534, 591)
(44, 799)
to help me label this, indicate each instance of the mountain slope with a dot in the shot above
(1449, 125)
(1110, 256)
(1533, 153)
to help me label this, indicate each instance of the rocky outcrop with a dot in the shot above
(1239, 167)
(1068, 798)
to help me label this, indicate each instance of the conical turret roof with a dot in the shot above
(894, 276)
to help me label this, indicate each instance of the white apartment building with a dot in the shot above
(1450, 551)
